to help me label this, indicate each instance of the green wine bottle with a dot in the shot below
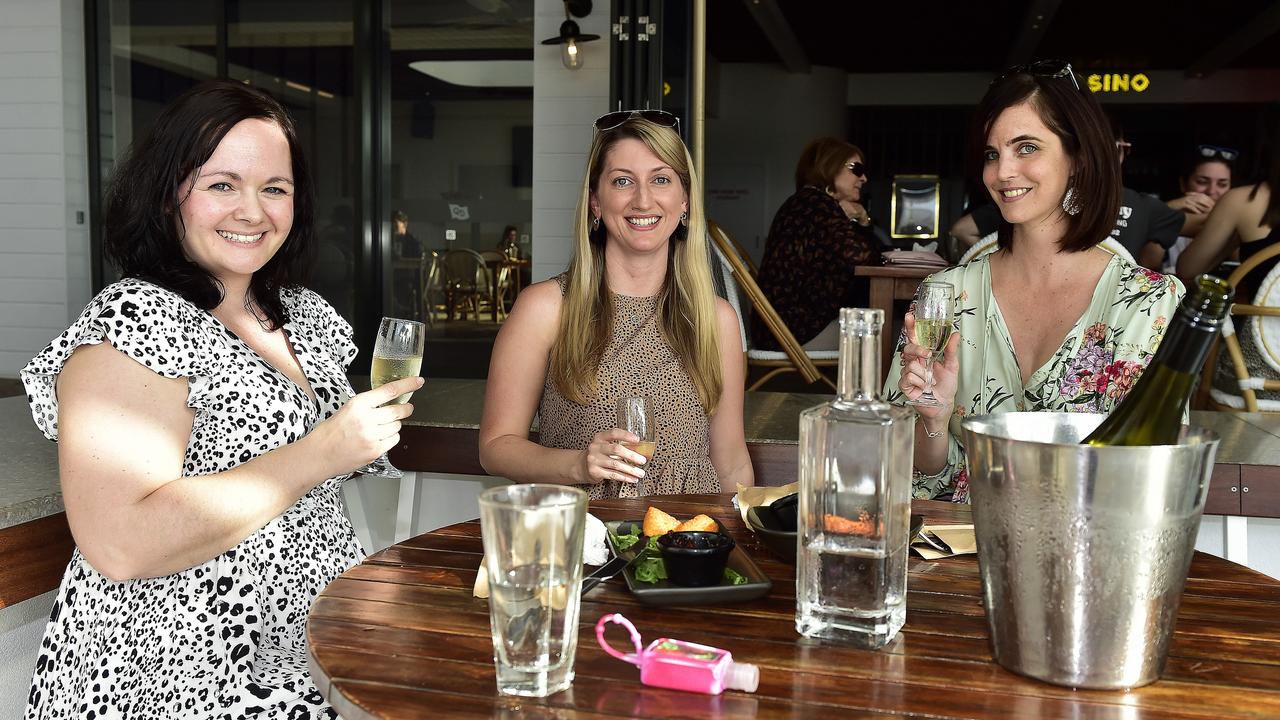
(1152, 412)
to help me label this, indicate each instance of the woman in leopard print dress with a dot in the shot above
(635, 315)
(205, 427)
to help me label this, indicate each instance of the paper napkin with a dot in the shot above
(941, 541)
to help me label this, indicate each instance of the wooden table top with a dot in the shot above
(400, 636)
(896, 271)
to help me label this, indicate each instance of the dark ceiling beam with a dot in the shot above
(1034, 26)
(774, 24)
(1241, 41)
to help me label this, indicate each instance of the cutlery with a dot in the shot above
(608, 570)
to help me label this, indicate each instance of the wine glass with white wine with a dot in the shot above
(635, 415)
(397, 354)
(934, 313)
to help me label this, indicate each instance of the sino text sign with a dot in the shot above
(1117, 82)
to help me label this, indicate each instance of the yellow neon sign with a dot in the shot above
(1118, 82)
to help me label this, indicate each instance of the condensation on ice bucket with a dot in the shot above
(1083, 550)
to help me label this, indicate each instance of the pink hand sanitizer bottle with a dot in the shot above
(680, 665)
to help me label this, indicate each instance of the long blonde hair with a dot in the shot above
(686, 302)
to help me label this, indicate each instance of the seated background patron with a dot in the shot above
(1244, 219)
(1209, 171)
(819, 235)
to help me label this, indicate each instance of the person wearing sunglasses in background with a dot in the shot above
(818, 236)
(1207, 177)
(636, 314)
(1246, 219)
(1049, 321)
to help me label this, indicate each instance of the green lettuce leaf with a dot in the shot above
(622, 542)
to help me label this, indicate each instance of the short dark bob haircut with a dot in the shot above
(142, 221)
(822, 160)
(1078, 121)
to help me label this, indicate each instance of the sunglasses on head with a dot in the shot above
(661, 118)
(1042, 68)
(1212, 151)
(857, 168)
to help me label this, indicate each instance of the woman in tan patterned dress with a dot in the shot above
(635, 314)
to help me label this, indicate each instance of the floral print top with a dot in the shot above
(1101, 357)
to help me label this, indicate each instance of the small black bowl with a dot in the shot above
(695, 559)
(785, 511)
(763, 523)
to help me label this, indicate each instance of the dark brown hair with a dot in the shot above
(1075, 117)
(822, 159)
(142, 221)
(1271, 216)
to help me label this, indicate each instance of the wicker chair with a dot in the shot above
(435, 296)
(792, 357)
(466, 282)
(506, 287)
(1247, 400)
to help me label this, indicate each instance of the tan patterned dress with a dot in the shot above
(638, 361)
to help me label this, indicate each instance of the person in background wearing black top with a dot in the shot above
(405, 279)
(402, 241)
(818, 236)
(1207, 177)
(1146, 227)
(509, 245)
(1247, 219)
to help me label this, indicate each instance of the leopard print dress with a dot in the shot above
(223, 639)
(638, 362)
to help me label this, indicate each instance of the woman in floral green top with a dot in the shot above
(1048, 322)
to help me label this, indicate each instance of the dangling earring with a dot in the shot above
(1071, 203)
(595, 224)
(684, 219)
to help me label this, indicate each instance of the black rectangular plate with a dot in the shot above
(664, 592)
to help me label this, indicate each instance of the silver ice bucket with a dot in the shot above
(1083, 551)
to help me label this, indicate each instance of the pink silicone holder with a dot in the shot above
(633, 658)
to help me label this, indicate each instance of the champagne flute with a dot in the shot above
(635, 415)
(397, 354)
(935, 310)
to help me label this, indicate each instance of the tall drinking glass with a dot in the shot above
(935, 311)
(533, 538)
(397, 354)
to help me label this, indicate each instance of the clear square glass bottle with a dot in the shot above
(855, 500)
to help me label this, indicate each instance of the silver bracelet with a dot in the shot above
(928, 434)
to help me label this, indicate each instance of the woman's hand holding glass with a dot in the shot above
(397, 354)
(608, 458)
(366, 427)
(932, 318)
(919, 367)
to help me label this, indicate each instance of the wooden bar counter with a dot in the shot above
(442, 437)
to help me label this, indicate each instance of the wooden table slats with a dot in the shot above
(400, 636)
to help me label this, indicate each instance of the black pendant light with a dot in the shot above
(570, 34)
